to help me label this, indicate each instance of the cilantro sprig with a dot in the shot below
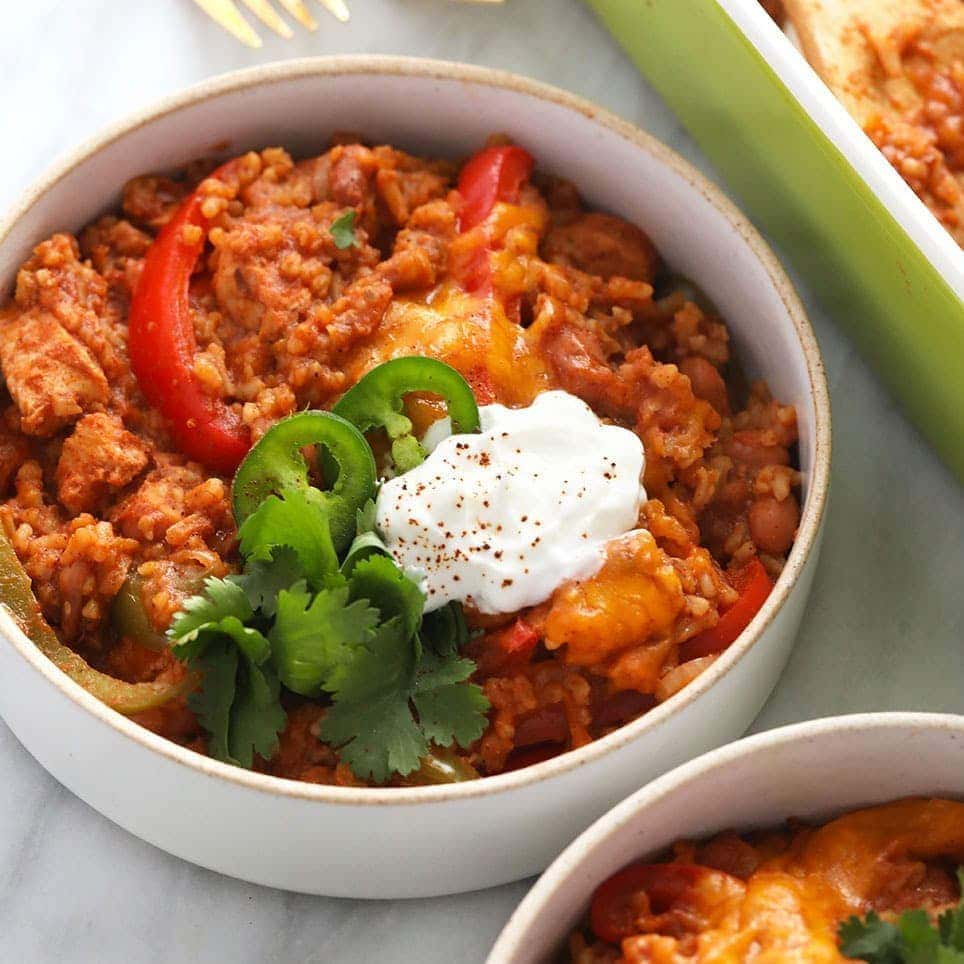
(396, 699)
(239, 699)
(343, 231)
(314, 635)
(350, 631)
(911, 939)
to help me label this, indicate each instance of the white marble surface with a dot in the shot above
(884, 628)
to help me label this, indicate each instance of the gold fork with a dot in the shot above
(227, 15)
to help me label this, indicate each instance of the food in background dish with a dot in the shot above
(775, 9)
(347, 619)
(898, 67)
(880, 885)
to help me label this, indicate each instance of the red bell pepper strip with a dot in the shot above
(505, 650)
(753, 584)
(509, 648)
(668, 887)
(518, 640)
(162, 345)
(494, 174)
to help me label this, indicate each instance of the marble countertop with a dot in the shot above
(884, 625)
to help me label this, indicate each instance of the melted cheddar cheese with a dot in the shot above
(781, 897)
(495, 355)
(472, 333)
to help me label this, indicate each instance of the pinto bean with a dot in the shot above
(773, 523)
(350, 174)
(545, 725)
(731, 854)
(706, 381)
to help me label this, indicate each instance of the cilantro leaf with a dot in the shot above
(918, 938)
(212, 702)
(263, 579)
(313, 637)
(371, 721)
(444, 630)
(343, 231)
(238, 704)
(250, 642)
(951, 922)
(220, 611)
(913, 939)
(365, 518)
(377, 579)
(364, 545)
(449, 709)
(377, 738)
(299, 520)
(257, 716)
(872, 939)
(367, 539)
(219, 599)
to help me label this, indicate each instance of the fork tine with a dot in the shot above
(227, 15)
(269, 17)
(299, 11)
(336, 8)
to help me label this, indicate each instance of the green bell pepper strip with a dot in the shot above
(442, 765)
(375, 401)
(128, 612)
(129, 617)
(275, 463)
(128, 698)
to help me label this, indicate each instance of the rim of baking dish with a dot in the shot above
(847, 136)
(811, 518)
(677, 781)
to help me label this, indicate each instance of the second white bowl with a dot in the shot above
(813, 771)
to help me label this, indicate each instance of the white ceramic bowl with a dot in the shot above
(431, 840)
(815, 770)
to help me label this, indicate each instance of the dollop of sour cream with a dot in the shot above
(501, 518)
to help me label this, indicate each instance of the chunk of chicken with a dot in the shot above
(51, 376)
(178, 505)
(100, 456)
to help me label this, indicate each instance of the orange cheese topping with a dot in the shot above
(782, 896)
(635, 597)
(472, 333)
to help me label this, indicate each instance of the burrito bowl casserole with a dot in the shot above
(239, 406)
(864, 886)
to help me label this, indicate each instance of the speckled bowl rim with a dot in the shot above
(633, 808)
(811, 519)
